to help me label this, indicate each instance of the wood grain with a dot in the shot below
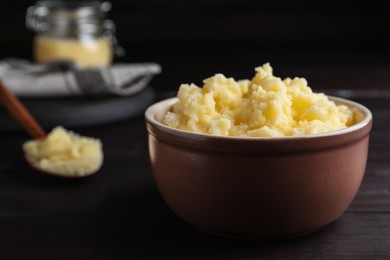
(119, 214)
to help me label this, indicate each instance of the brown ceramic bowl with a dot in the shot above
(258, 188)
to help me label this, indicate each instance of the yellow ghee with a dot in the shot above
(65, 153)
(266, 106)
(88, 52)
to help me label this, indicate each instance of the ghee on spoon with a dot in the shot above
(60, 153)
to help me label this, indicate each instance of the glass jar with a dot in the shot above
(73, 30)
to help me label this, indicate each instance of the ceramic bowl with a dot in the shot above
(258, 188)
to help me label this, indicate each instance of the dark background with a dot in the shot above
(119, 214)
(195, 39)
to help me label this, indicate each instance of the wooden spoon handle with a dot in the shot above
(20, 113)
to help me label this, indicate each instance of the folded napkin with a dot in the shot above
(63, 78)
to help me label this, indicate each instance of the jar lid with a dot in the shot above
(73, 4)
(69, 13)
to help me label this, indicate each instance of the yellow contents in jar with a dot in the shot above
(65, 153)
(265, 106)
(88, 52)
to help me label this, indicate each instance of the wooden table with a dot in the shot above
(119, 214)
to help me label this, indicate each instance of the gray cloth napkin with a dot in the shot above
(62, 78)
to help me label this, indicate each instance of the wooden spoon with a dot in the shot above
(28, 122)
(20, 113)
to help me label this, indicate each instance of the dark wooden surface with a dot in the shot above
(119, 214)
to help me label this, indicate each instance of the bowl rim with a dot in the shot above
(150, 118)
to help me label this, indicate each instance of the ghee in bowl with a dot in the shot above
(265, 106)
(274, 170)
